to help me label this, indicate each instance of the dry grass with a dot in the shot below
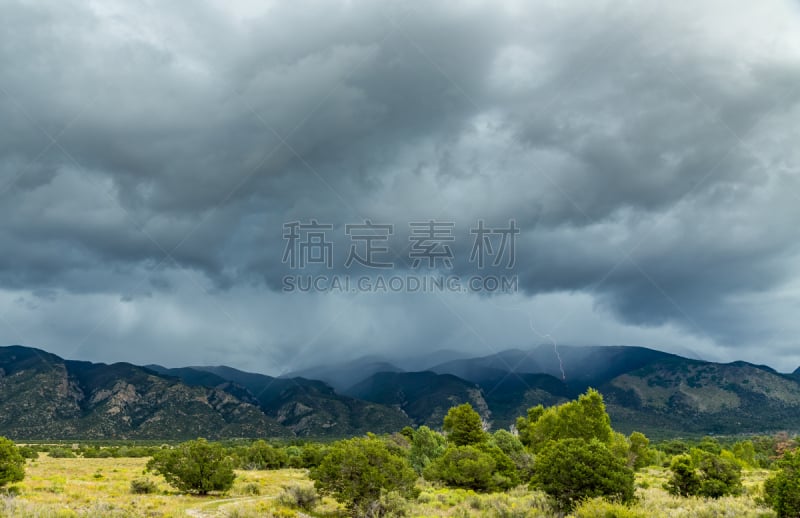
(657, 503)
(63, 488)
(101, 487)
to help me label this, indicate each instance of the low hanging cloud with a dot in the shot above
(150, 155)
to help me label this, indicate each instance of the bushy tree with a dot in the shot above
(674, 447)
(782, 490)
(745, 452)
(571, 470)
(712, 476)
(397, 443)
(719, 476)
(586, 418)
(507, 442)
(505, 475)
(619, 445)
(12, 464)
(357, 471)
(640, 454)
(294, 456)
(463, 466)
(426, 446)
(312, 455)
(408, 432)
(515, 450)
(730, 456)
(195, 467)
(684, 480)
(710, 445)
(261, 455)
(463, 426)
(28, 452)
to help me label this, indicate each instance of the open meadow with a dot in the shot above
(86, 487)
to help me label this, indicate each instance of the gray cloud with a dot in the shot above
(646, 152)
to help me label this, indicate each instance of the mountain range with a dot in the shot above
(43, 396)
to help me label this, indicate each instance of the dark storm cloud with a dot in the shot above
(646, 152)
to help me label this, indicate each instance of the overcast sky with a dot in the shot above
(151, 153)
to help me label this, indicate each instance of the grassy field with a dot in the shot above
(101, 487)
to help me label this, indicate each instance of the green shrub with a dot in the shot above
(57, 452)
(586, 418)
(261, 455)
(782, 490)
(571, 470)
(515, 450)
(674, 447)
(357, 471)
(12, 464)
(640, 453)
(300, 497)
(96, 453)
(312, 455)
(10, 491)
(719, 476)
(714, 476)
(482, 468)
(195, 467)
(463, 466)
(710, 445)
(684, 480)
(251, 488)
(294, 455)
(745, 452)
(463, 426)
(390, 503)
(143, 486)
(426, 446)
(28, 452)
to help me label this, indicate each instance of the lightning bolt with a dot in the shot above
(547, 336)
(555, 347)
(560, 361)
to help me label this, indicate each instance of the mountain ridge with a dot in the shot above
(44, 396)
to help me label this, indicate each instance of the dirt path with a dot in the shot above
(198, 512)
(222, 503)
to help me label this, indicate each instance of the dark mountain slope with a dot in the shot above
(200, 378)
(424, 396)
(511, 395)
(313, 408)
(43, 396)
